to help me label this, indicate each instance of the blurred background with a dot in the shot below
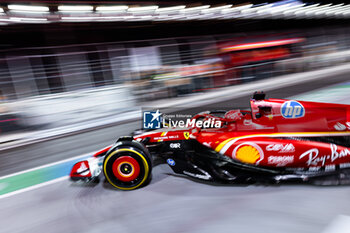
(75, 75)
(63, 64)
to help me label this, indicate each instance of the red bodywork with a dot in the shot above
(275, 133)
(266, 137)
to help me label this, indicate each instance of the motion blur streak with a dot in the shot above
(76, 75)
(105, 79)
(36, 176)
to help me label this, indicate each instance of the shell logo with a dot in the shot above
(248, 153)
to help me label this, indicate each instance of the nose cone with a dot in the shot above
(81, 171)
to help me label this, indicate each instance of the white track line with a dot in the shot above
(212, 97)
(48, 165)
(237, 91)
(45, 183)
(33, 187)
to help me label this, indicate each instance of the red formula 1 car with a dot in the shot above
(278, 140)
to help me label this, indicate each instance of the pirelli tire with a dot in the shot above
(128, 165)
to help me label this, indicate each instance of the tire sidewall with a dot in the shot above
(140, 153)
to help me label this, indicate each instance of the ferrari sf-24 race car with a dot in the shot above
(278, 140)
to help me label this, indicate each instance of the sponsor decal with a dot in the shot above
(83, 170)
(329, 168)
(152, 120)
(187, 135)
(248, 152)
(339, 126)
(175, 145)
(280, 160)
(88, 168)
(344, 165)
(314, 159)
(292, 109)
(171, 162)
(234, 115)
(161, 138)
(281, 148)
(166, 137)
(315, 169)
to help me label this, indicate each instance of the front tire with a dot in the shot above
(128, 166)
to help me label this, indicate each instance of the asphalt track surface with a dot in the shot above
(170, 203)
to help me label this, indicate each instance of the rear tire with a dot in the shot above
(128, 165)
